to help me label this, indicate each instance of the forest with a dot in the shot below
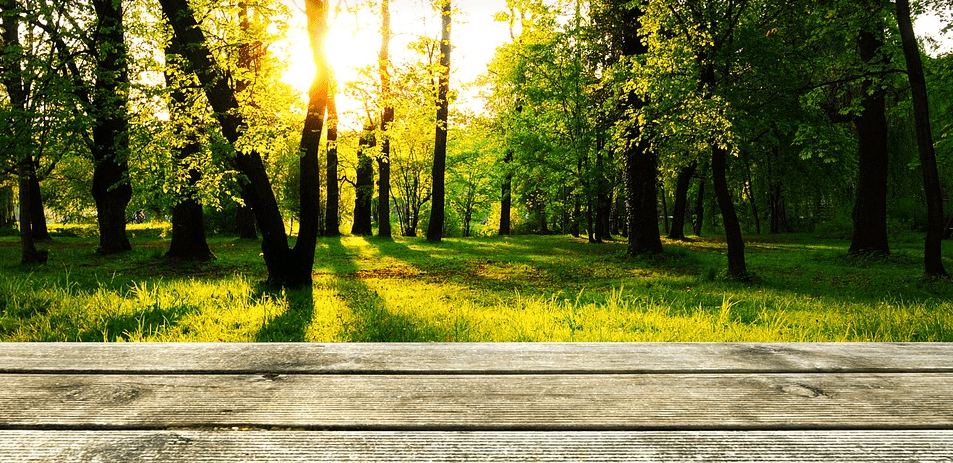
(612, 157)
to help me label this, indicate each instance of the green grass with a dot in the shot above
(524, 288)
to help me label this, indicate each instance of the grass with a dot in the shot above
(524, 288)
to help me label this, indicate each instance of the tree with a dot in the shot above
(18, 90)
(111, 188)
(870, 208)
(286, 266)
(364, 184)
(332, 220)
(438, 201)
(932, 255)
(387, 117)
(188, 220)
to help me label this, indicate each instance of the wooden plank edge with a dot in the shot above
(601, 447)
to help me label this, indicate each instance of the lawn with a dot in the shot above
(521, 288)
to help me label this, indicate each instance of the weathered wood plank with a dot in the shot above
(480, 402)
(473, 358)
(395, 447)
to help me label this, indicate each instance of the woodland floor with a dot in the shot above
(521, 288)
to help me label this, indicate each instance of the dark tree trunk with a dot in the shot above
(286, 267)
(245, 224)
(332, 220)
(11, 72)
(642, 200)
(736, 245)
(603, 199)
(438, 201)
(699, 216)
(682, 184)
(188, 219)
(933, 247)
(779, 210)
(870, 208)
(387, 117)
(7, 207)
(37, 214)
(506, 200)
(111, 188)
(364, 186)
(188, 228)
(665, 222)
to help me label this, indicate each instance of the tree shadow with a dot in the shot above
(371, 320)
(292, 325)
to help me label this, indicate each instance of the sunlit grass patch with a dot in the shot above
(489, 289)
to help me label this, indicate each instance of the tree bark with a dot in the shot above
(438, 201)
(933, 247)
(364, 185)
(188, 219)
(286, 267)
(699, 221)
(111, 188)
(37, 213)
(387, 117)
(682, 184)
(506, 200)
(736, 245)
(642, 200)
(870, 208)
(11, 72)
(332, 220)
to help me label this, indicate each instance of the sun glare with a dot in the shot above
(354, 41)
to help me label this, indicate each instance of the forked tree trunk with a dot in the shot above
(286, 267)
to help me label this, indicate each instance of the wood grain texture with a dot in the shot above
(397, 447)
(473, 358)
(480, 402)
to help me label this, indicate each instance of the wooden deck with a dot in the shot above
(476, 402)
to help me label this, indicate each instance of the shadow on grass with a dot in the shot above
(292, 324)
(371, 319)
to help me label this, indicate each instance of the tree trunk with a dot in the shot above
(7, 207)
(682, 184)
(286, 267)
(37, 213)
(111, 188)
(438, 201)
(699, 220)
(642, 200)
(364, 185)
(332, 220)
(188, 219)
(506, 200)
(736, 245)
(933, 248)
(245, 224)
(387, 117)
(870, 208)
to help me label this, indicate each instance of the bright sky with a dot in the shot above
(354, 42)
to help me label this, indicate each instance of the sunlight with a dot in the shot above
(354, 42)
